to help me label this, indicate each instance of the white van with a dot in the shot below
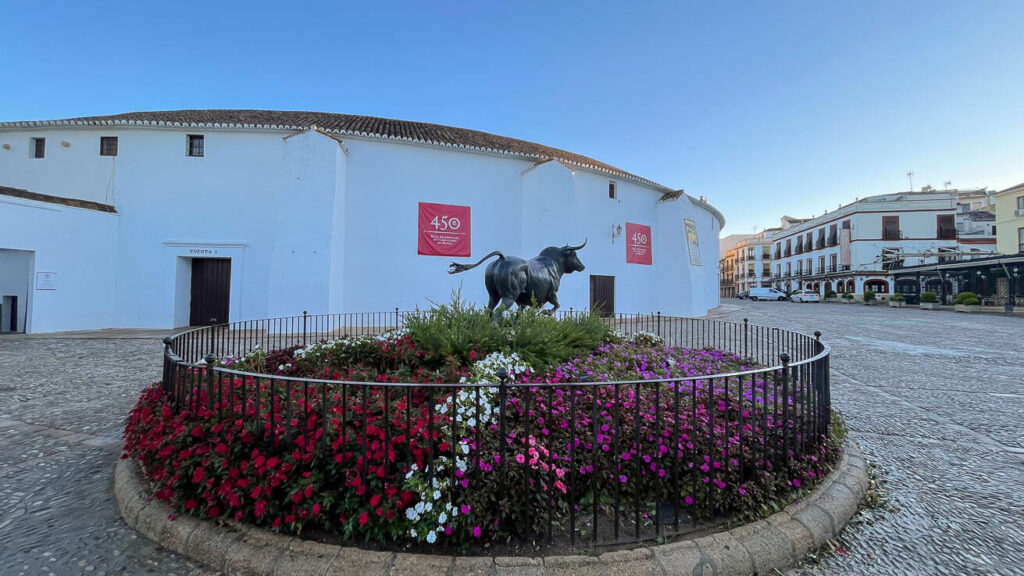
(767, 294)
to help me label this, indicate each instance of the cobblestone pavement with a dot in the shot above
(936, 399)
(62, 407)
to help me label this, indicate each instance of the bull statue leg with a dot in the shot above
(506, 303)
(554, 305)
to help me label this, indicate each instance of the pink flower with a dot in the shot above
(520, 458)
(689, 501)
(476, 532)
(465, 508)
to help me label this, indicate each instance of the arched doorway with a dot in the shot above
(851, 286)
(828, 286)
(877, 286)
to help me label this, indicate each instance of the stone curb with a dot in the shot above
(775, 543)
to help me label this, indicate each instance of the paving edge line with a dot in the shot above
(777, 542)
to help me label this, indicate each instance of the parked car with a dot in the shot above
(805, 296)
(766, 294)
(743, 295)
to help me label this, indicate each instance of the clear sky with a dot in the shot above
(765, 108)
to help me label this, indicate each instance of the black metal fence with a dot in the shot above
(599, 463)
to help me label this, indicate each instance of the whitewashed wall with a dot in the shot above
(80, 246)
(312, 223)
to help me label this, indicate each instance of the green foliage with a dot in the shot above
(451, 332)
(929, 297)
(971, 302)
(961, 297)
(542, 340)
(848, 296)
(869, 296)
(830, 294)
(898, 298)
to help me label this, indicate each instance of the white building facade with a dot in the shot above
(856, 247)
(166, 219)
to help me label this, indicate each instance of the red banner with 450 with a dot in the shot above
(444, 230)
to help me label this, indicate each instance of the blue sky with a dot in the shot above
(765, 108)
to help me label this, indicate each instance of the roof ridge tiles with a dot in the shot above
(349, 124)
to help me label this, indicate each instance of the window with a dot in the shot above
(832, 263)
(612, 192)
(945, 226)
(833, 235)
(1020, 239)
(38, 147)
(108, 145)
(821, 265)
(195, 145)
(846, 224)
(890, 227)
(1020, 202)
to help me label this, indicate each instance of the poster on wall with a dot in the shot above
(444, 230)
(46, 280)
(638, 244)
(691, 242)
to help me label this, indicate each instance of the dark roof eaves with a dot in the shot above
(58, 200)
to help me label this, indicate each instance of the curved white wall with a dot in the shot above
(313, 223)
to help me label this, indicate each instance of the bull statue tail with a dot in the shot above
(455, 267)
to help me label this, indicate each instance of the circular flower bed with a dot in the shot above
(431, 435)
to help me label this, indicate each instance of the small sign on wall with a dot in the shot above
(444, 230)
(638, 244)
(692, 242)
(46, 280)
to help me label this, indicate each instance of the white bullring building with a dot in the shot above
(169, 219)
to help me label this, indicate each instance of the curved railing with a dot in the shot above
(632, 456)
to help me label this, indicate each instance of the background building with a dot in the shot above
(163, 219)
(856, 247)
(1009, 220)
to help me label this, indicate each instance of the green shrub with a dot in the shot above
(898, 298)
(848, 296)
(965, 296)
(869, 296)
(929, 297)
(971, 302)
(451, 332)
(830, 294)
(541, 340)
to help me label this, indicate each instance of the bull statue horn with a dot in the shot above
(580, 247)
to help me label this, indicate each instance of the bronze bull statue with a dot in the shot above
(510, 279)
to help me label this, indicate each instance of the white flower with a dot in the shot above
(442, 518)
(437, 494)
(428, 506)
(431, 537)
(411, 514)
(412, 532)
(464, 447)
(420, 507)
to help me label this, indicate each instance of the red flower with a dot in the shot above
(364, 518)
(374, 500)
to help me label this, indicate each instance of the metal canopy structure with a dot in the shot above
(998, 280)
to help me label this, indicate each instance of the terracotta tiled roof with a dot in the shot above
(344, 124)
(73, 202)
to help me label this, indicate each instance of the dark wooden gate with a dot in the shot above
(211, 291)
(14, 314)
(602, 295)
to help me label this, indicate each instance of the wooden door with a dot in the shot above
(602, 295)
(211, 291)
